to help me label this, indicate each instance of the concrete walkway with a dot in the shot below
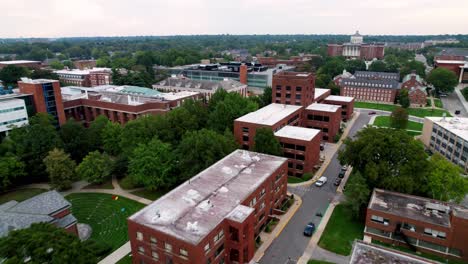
(117, 255)
(325, 255)
(461, 97)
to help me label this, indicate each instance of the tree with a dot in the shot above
(95, 168)
(43, 74)
(11, 74)
(335, 89)
(332, 67)
(141, 130)
(265, 98)
(399, 118)
(61, 169)
(357, 194)
(388, 159)
(95, 133)
(45, 243)
(443, 80)
(355, 65)
(200, 149)
(75, 141)
(404, 98)
(111, 135)
(444, 180)
(172, 126)
(266, 142)
(198, 110)
(56, 65)
(11, 168)
(152, 165)
(413, 65)
(232, 107)
(378, 66)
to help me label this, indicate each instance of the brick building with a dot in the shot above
(417, 94)
(293, 88)
(324, 117)
(300, 147)
(215, 216)
(419, 223)
(455, 60)
(119, 103)
(100, 76)
(84, 64)
(346, 103)
(356, 48)
(48, 207)
(47, 96)
(21, 63)
(371, 86)
(85, 78)
(320, 94)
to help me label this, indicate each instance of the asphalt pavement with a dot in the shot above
(291, 243)
(452, 103)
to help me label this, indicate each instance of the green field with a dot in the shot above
(150, 195)
(341, 231)
(20, 194)
(314, 261)
(125, 260)
(438, 103)
(304, 178)
(384, 121)
(107, 217)
(419, 112)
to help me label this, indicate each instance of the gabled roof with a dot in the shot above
(45, 204)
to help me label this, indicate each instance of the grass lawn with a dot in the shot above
(341, 231)
(20, 194)
(107, 217)
(150, 195)
(384, 121)
(419, 112)
(420, 254)
(104, 185)
(428, 102)
(125, 260)
(438, 103)
(314, 261)
(304, 178)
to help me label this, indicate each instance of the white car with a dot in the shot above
(321, 181)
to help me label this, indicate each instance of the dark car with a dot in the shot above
(309, 229)
(337, 182)
(341, 174)
(457, 112)
(372, 113)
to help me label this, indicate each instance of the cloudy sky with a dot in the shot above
(65, 18)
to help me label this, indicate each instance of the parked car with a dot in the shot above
(337, 182)
(457, 112)
(309, 229)
(321, 181)
(442, 94)
(372, 113)
(344, 167)
(341, 174)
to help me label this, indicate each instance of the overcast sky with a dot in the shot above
(66, 18)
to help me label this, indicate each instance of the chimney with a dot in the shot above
(243, 73)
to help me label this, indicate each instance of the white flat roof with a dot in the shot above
(74, 71)
(456, 125)
(18, 62)
(323, 107)
(340, 98)
(320, 91)
(270, 114)
(295, 132)
(451, 61)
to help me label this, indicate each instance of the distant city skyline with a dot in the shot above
(87, 18)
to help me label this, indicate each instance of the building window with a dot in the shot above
(139, 236)
(435, 233)
(262, 192)
(245, 129)
(155, 255)
(288, 88)
(168, 247)
(153, 240)
(298, 88)
(183, 252)
(299, 167)
(298, 96)
(300, 148)
(219, 250)
(380, 219)
(262, 205)
(207, 247)
(410, 227)
(245, 138)
(218, 236)
(253, 202)
(278, 87)
(141, 250)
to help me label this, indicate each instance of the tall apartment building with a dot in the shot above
(419, 223)
(119, 103)
(47, 96)
(293, 88)
(447, 136)
(324, 117)
(356, 48)
(215, 216)
(371, 86)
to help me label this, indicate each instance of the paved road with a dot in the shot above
(291, 243)
(452, 103)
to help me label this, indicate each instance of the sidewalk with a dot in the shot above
(118, 254)
(329, 154)
(461, 97)
(268, 238)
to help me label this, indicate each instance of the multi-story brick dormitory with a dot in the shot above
(346, 103)
(417, 94)
(325, 117)
(419, 223)
(86, 77)
(371, 86)
(215, 216)
(119, 103)
(293, 88)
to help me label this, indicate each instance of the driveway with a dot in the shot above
(291, 243)
(452, 103)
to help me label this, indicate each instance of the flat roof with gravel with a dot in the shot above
(295, 132)
(323, 107)
(270, 114)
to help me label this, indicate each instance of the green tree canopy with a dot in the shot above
(111, 135)
(11, 74)
(399, 118)
(388, 159)
(75, 140)
(95, 168)
(11, 168)
(357, 194)
(61, 169)
(404, 98)
(226, 111)
(95, 133)
(444, 180)
(56, 65)
(413, 65)
(378, 66)
(152, 165)
(45, 243)
(139, 131)
(443, 80)
(354, 65)
(266, 142)
(200, 149)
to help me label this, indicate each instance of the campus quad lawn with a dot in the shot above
(107, 217)
(20, 194)
(150, 195)
(419, 112)
(314, 261)
(438, 103)
(384, 121)
(341, 231)
(125, 260)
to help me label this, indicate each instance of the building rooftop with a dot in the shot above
(198, 206)
(319, 92)
(36, 81)
(270, 114)
(13, 62)
(298, 75)
(339, 98)
(184, 82)
(371, 83)
(409, 76)
(365, 253)
(456, 125)
(81, 72)
(323, 107)
(454, 52)
(296, 132)
(415, 207)
(451, 62)
(377, 75)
